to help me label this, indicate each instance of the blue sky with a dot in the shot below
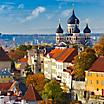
(41, 16)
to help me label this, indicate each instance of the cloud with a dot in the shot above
(20, 6)
(5, 7)
(36, 12)
(87, 20)
(9, 3)
(65, 13)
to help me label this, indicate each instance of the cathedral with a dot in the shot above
(73, 35)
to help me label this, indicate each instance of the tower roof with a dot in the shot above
(59, 29)
(76, 29)
(72, 19)
(87, 29)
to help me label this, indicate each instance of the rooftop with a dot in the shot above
(98, 65)
(63, 55)
(31, 94)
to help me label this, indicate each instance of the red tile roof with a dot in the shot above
(98, 65)
(63, 55)
(3, 55)
(5, 86)
(31, 94)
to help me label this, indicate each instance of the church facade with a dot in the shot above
(73, 35)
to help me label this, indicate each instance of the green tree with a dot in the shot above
(99, 47)
(24, 47)
(83, 61)
(52, 90)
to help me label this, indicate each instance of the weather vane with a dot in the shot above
(73, 4)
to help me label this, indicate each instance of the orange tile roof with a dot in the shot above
(23, 60)
(31, 94)
(98, 65)
(54, 53)
(63, 55)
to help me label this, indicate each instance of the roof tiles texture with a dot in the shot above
(31, 94)
(5, 86)
(63, 55)
(98, 65)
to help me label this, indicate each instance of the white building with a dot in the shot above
(56, 61)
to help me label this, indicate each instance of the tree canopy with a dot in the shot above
(83, 61)
(25, 47)
(37, 80)
(99, 47)
(52, 90)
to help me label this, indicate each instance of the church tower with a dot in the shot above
(87, 34)
(59, 34)
(87, 31)
(76, 33)
(71, 22)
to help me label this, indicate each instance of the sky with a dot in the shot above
(42, 16)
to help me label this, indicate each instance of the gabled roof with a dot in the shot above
(63, 55)
(31, 94)
(5, 86)
(3, 55)
(98, 65)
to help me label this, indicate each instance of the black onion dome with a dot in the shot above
(87, 29)
(73, 19)
(76, 29)
(59, 29)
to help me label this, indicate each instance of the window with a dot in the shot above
(89, 74)
(97, 89)
(97, 82)
(103, 82)
(97, 75)
(91, 82)
(102, 75)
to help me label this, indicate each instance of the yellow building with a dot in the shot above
(94, 77)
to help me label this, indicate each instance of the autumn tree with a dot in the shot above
(37, 80)
(83, 61)
(52, 90)
(16, 54)
(99, 47)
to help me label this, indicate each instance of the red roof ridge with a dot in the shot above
(12, 85)
(5, 86)
(31, 94)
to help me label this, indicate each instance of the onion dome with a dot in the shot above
(87, 29)
(59, 29)
(72, 19)
(76, 29)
